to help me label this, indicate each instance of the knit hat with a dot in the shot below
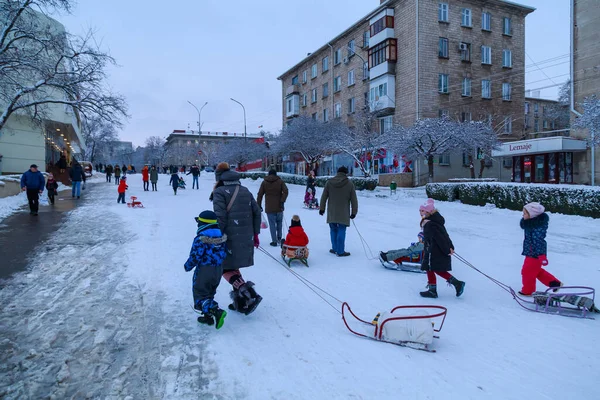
(343, 169)
(534, 209)
(296, 221)
(421, 236)
(428, 206)
(205, 220)
(123, 178)
(50, 176)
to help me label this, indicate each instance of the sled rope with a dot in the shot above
(497, 282)
(364, 243)
(305, 281)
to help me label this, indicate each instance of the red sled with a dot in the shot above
(134, 203)
(398, 327)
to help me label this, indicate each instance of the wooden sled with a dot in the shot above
(294, 253)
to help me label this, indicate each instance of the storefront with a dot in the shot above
(546, 160)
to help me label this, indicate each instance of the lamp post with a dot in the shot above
(244, 108)
(199, 116)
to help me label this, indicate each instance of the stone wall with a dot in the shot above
(402, 180)
(9, 187)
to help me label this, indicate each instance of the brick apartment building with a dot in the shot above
(420, 59)
(537, 121)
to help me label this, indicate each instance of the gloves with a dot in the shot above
(352, 216)
(256, 241)
(282, 207)
(544, 259)
(321, 212)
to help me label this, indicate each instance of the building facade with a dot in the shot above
(540, 118)
(420, 59)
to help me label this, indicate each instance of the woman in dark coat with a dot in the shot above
(62, 163)
(239, 218)
(437, 256)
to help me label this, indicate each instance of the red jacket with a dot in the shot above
(145, 175)
(122, 187)
(296, 237)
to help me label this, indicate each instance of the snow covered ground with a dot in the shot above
(104, 311)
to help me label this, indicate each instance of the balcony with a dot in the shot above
(388, 67)
(381, 27)
(292, 106)
(382, 94)
(292, 89)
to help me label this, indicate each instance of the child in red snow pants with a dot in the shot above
(532, 270)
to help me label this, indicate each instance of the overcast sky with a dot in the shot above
(211, 50)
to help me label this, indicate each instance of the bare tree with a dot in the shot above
(97, 134)
(42, 66)
(590, 120)
(155, 150)
(559, 113)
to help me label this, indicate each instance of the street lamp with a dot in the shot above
(244, 108)
(199, 116)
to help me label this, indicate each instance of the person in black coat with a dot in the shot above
(437, 255)
(109, 172)
(174, 182)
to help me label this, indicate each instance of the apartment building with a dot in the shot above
(541, 118)
(420, 59)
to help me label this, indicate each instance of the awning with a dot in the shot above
(537, 146)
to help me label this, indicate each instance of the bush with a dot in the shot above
(571, 200)
(359, 183)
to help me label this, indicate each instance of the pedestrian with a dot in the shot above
(96, 166)
(51, 187)
(174, 182)
(239, 218)
(109, 171)
(206, 258)
(183, 168)
(101, 167)
(146, 178)
(195, 171)
(62, 163)
(311, 183)
(121, 190)
(154, 178)
(535, 225)
(77, 176)
(275, 191)
(339, 198)
(438, 250)
(32, 182)
(124, 170)
(117, 174)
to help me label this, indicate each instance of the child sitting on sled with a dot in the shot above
(310, 200)
(208, 252)
(535, 224)
(394, 255)
(297, 239)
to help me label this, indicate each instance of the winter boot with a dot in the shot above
(431, 292)
(556, 284)
(210, 309)
(219, 316)
(253, 299)
(458, 285)
(383, 256)
(206, 319)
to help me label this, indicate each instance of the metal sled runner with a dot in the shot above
(411, 263)
(568, 301)
(407, 324)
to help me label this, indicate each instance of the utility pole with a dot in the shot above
(244, 108)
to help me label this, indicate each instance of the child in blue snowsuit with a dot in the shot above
(208, 252)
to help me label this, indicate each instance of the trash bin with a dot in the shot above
(393, 187)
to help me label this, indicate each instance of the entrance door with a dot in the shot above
(527, 169)
(540, 168)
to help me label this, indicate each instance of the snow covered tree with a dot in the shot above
(590, 120)
(98, 135)
(560, 113)
(155, 150)
(237, 153)
(42, 66)
(179, 154)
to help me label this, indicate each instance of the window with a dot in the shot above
(546, 124)
(305, 77)
(385, 124)
(326, 115)
(465, 117)
(295, 80)
(486, 21)
(507, 26)
(313, 96)
(366, 99)
(486, 55)
(377, 92)
(507, 59)
(507, 125)
(351, 105)
(386, 21)
(366, 37)
(313, 73)
(326, 64)
(384, 51)
(326, 89)
(337, 84)
(304, 99)
(443, 83)
(506, 91)
(443, 12)
(443, 47)
(507, 162)
(466, 18)
(351, 45)
(536, 107)
(337, 57)
(365, 71)
(526, 122)
(465, 51)
(526, 107)
(443, 113)
(445, 159)
(290, 106)
(314, 116)
(337, 110)
(486, 89)
(351, 77)
(536, 125)
(466, 159)
(466, 87)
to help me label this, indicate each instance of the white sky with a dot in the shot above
(211, 50)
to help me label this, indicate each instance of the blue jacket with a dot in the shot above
(76, 174)
(33, 180)
(534, 244)
(174, 180)
(209, 249)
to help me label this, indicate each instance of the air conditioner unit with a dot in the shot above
(346, 60)
(463, 47)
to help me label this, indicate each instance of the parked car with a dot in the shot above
(209, 169)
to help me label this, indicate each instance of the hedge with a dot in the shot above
(359, 183)
(571, 200)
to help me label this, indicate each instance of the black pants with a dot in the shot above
(146, 185)
(117, 179)
(33, 196)
(154, 187)
(121, 198)
(175, 190)
(51, 196)
(108, 177)
(205, 282)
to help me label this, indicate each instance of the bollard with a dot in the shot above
(393, 187)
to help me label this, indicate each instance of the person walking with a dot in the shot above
(117, 174)
(339, 198)
(51, 187)
(275, 191)
(238, 216)
(109, 171)
(174, 182)
(77, 176)
(195, 171)
(62, 163)
(121, 189)
(32, 182)
(146, 178)
(154, 178)
(124, 170)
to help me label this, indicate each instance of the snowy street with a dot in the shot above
(104, 309)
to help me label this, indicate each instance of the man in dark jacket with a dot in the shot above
(109, 171)
(77, 176)
(339, 196)
(195, 171)
(239, 218)
(33, 183)
(275, 192)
